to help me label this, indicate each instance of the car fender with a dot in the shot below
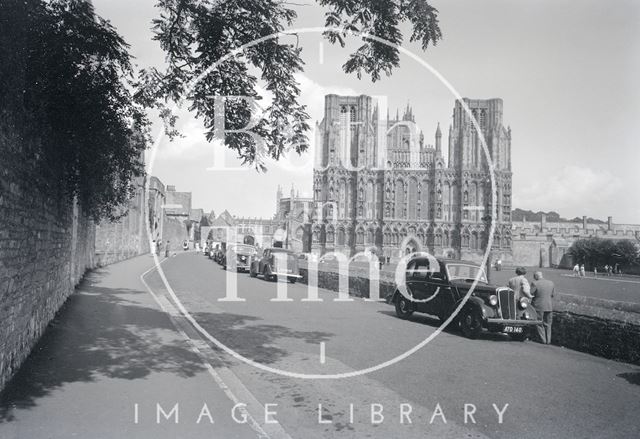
(477, 304)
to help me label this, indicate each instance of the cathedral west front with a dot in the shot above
(378, 186)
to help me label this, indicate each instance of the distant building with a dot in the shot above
(545, 244)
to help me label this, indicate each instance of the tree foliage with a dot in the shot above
(597, 252)
(197, 34)
(63, 83)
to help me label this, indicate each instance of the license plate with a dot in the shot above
(513, 329)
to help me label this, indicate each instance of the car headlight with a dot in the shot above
(493, 300)
(524, 302)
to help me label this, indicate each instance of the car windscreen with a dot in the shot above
(465, 271)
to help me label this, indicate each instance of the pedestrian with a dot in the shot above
(595, 271)
(582, 271)
(166, 250)
(616, 270)
(158, 247)
(576, 270)
(499, 265)
(520, 284)
(609, 269)
(543, 291)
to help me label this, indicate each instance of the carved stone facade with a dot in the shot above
(379, 187)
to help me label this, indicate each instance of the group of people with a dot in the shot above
(579, 271)
(540, 292)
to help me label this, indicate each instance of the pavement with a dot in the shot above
(126, 338)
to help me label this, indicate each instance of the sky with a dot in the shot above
(566, 70)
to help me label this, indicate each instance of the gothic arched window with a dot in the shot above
(399, 195)
(330, 235)
(352, 114)
(412, 202)
(360, 237)
(341, 237)
(474, 241)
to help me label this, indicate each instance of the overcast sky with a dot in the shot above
(566, 70)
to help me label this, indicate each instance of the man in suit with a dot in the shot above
(543, 291)
(520, 284)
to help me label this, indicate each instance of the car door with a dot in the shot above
(443, 301)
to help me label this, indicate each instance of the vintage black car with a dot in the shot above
(437, 286)
(239, 257)
(276, 263)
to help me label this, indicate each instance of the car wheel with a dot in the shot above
(266, 275)
(292, 280)
(520, 337)
(404, 307)
(470, 323)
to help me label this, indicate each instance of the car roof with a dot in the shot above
(279, 249)
(444, 261)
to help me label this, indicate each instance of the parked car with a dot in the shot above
(239, 255)
(438, 291)
(276, 263)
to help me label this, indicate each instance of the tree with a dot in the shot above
(597, 252)
(65, 87)
(197, 34)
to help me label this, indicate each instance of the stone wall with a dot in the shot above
(599, 327)
(126, 238)
(175, 232)
(45, 247)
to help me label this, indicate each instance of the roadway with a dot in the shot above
(122, 339)
(551, 391)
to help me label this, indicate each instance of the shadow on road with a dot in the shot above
(434, 322)
(98, 332)
(631, 377)
(254, 341)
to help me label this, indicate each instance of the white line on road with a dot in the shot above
(322, 359)
(197, 345)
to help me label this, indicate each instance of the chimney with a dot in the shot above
(609, 223)
(543, 222)
(584, 222)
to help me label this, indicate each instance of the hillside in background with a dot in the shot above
(529, 215)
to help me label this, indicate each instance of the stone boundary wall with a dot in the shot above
(599, 327)
(46, 245)
(126, 238)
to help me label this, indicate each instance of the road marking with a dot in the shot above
(198, 345)
(322, 359)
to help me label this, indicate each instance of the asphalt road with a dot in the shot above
(122, 341)
(550, 391)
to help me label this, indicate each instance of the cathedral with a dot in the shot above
(379, 187)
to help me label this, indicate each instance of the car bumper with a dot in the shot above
(289, 275)
(513, 322)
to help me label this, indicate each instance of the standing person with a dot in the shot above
(499, 264)
(520, 284)
(543, 291)
(582, 271)
(595, 271)
(606, 269)
(616, 270)
(609, 270)
(166, 250)
(576, 270)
